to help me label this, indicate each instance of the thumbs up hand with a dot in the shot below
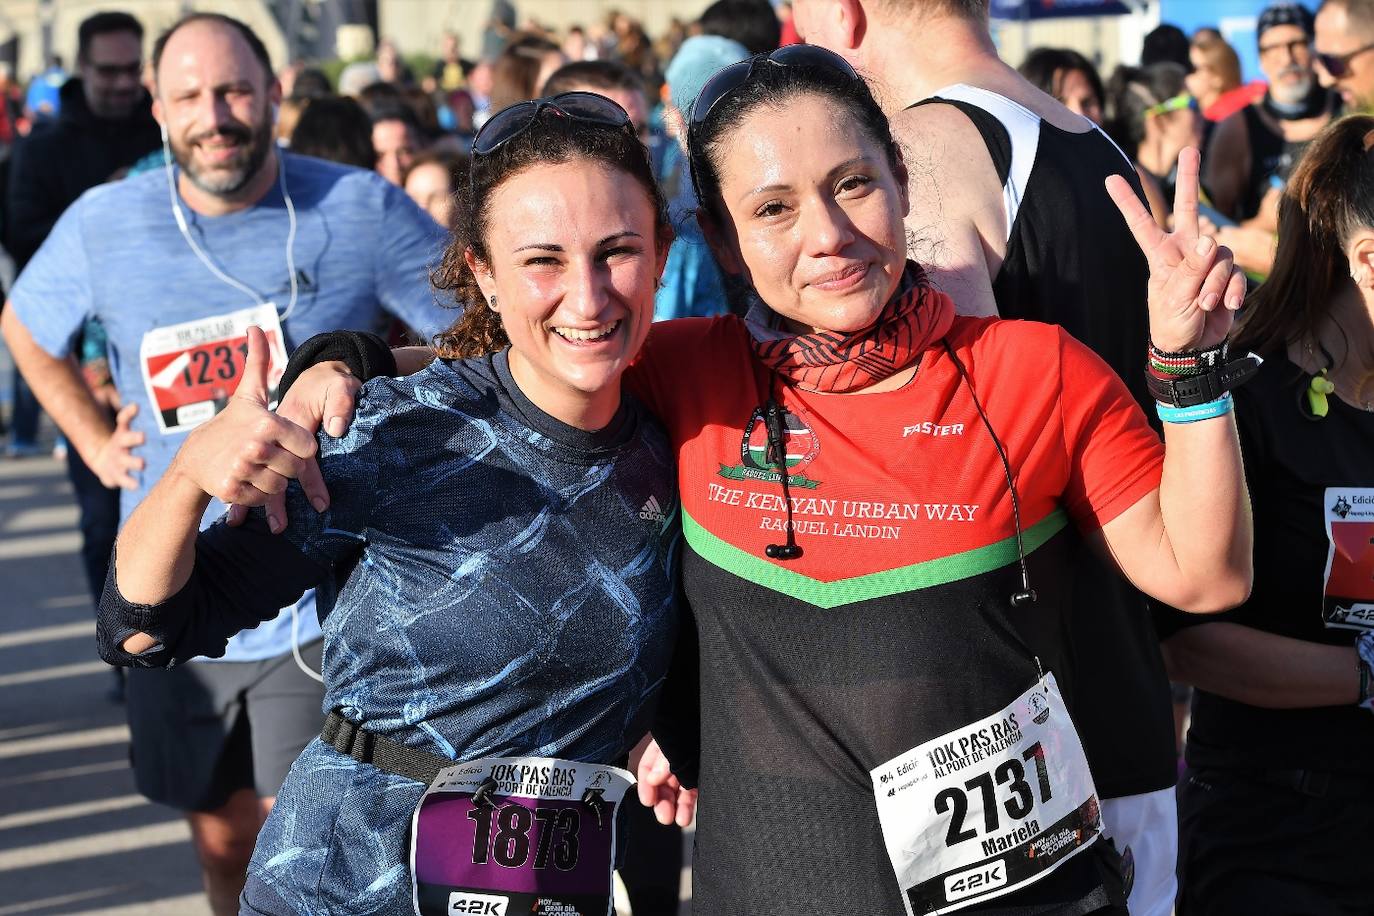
(253, 386)
(246, 454)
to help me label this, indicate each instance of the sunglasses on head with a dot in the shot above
(511, 122)
(727, 79)
(1338, 65)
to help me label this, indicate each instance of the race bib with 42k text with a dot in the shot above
(988, 808)
(517, 836)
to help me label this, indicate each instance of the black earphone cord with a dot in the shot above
(773, 418)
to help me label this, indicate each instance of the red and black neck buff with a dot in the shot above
(837, 362)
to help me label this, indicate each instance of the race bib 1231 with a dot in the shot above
(191, 369)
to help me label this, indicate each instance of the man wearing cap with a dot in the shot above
(1253, 151)
(1345, 51)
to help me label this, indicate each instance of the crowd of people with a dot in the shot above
(422, 532)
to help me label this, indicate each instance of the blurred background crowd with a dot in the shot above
(401, 86)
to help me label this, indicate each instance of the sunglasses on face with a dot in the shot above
(1338, 65)
(509, 123)
(730, 78)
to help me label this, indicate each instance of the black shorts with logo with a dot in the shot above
(203, 730)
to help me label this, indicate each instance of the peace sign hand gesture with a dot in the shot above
(1191, 277)
(247, 453)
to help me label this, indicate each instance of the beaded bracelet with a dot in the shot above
(1187, 362)
(1218, 408)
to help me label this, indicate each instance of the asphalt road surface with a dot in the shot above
(74, 835)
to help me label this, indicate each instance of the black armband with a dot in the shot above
(366, 355)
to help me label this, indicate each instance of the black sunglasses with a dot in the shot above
(511, 122)
(728, 79)
(1338, 65)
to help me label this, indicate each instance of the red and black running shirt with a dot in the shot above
(894, 626)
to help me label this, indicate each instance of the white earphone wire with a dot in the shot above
(205, 259)
(281, 316)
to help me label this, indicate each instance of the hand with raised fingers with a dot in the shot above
(247, 454)
(660, 790)
(324, 396)
(114, 462)
(1195, 287)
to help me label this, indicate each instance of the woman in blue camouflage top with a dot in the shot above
(475, 616)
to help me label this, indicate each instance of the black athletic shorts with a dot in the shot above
(204, 730)
(1248, 844)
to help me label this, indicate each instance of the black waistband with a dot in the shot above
(350, 738)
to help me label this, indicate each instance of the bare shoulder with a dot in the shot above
(946, 157)
(940, 134)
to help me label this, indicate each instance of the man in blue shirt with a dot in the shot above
(177, 264)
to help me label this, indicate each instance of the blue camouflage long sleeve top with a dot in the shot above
(505, 586)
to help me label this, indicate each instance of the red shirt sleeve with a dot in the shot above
(674, 356)
(1114, 457)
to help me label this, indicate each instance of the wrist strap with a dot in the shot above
(1212, 409)
(366, 355)
(1193, 390)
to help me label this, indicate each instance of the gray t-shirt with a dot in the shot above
(362, 251)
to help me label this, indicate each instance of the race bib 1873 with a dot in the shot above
(533, 836)
(989, 808)
(190, 370)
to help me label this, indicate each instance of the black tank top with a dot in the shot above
(1271, 156)
(1071, 261)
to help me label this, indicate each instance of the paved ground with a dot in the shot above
(75, 838)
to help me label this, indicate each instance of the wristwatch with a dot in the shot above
(1192, 390)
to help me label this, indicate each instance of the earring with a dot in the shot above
(491, 303)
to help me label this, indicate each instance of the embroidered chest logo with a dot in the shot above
(757, 462)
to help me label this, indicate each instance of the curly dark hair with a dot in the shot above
(550, 140)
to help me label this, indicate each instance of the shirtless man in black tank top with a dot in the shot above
(1007, 231)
